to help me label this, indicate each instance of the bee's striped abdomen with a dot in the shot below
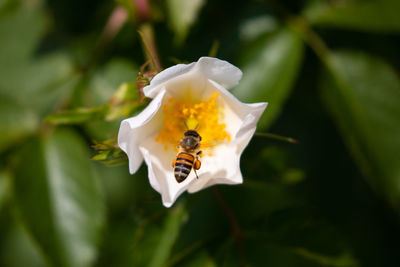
(183, 166)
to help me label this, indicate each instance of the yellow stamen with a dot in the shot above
(204, 116)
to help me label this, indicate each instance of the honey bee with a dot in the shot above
(188, 156)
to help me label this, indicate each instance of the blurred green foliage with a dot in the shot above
(329, 70)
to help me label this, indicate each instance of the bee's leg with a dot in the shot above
(173, 163)
(196, 165)
(199, 154)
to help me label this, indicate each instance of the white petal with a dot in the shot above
(215, 69)
(241, 109)
(223, 167)
(160, 172)
(220, 71)
(164, 76)
(133, 130)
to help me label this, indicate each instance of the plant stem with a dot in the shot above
(302, 27)
(147, 36)
(236, 231)
(214, 49)
(114, 24)
(277, 137)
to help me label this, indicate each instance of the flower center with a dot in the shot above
(203, 116)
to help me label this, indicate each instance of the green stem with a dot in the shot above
(236, 230)
(147, 37)
(114, 24)
(302, 27)
(214, 49)
(277, 137)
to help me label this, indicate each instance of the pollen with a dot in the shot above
(205, 117)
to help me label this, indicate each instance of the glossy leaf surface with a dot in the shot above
(182, 15)
(59, 198)
(363, 95)
(371, 15)
(270, 67)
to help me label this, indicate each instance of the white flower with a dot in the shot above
(194, 94)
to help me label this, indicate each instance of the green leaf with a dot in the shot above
(58, 196)
(17, 249)
(124, 102)
(76, 116)
(371, 15)
(29, 86)
(151, 242)
(125, 92)
(5, 187)
(269, 68)
(200, 258)
(38, 84)
(317, 242)
(34, 82)
(342, 260)
(102, 87)
(182, 15)
(109, 153)
(16, 122)
(46, 81)
(107, 80)
(256, 26)
(363, 95)
(20, 31)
